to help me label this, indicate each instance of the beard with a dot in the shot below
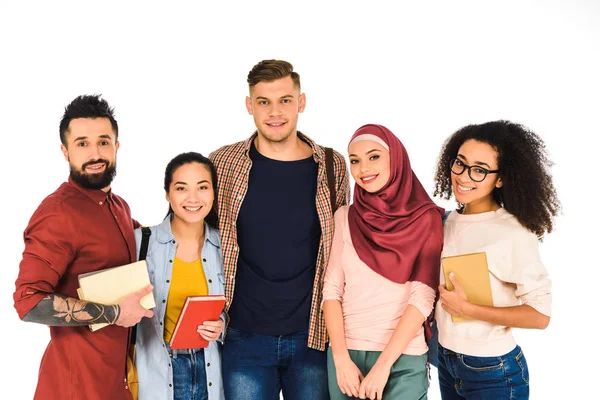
(94, 181)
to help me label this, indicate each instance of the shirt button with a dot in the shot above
(204, 260)
(126, 387)
(100, 202)
(208, 364)
(209, 383)
(172, 241)
(170, 261)
(164, 301)
(168, 281)
(210, 281)
(170, 385)
(160, 325)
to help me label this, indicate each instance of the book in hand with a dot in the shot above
(109, 286)
(471, 271)
(194, 312)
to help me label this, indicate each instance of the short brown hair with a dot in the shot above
(270, 70)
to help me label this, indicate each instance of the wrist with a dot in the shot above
(117, 310)
(470, 310)
(385, 361)
(340, 354)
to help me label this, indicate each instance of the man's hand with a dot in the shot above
(131, 311)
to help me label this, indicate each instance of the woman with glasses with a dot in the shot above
(499, 174)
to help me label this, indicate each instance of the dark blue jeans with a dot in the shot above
(259, 367)
(483, 378)
(189, 376)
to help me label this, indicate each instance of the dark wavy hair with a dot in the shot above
(527, 190)
(212, 219)
(87, 106)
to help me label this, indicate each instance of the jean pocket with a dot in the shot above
(522, 363)
(235, 335)
(481, 364)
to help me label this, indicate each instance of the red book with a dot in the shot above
(195, 311)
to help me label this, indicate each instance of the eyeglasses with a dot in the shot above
(476, 173)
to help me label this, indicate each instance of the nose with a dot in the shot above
(275, 110)
(193, 195)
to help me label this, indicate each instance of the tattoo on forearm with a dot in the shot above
(59, 310)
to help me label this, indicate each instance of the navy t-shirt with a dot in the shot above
(278, 232)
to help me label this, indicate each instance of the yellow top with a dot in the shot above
(187, 279)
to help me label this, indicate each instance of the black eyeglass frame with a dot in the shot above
(468, 167)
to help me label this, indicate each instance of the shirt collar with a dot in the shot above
(318, 152)
(165, 235)
(96, 195)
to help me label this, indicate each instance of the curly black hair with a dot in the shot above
(527, 190)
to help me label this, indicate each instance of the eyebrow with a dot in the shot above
(476, 162)
(287, 96)
(185, 183)
(105, 136)
(368, 152)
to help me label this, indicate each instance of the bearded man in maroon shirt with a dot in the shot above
(81, 227)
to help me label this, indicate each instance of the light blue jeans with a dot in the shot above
(483, 378)
(189, 375)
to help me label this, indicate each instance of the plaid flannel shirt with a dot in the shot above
(233, 166)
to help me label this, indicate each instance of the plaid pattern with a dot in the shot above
(233, 168)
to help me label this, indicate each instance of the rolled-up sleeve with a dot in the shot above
(421, 297)
(533, 285)
(49, 249)
(334, 281)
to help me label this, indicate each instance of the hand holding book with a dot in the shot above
(455, 301)
(131, 310)
(198, 323)
(211, 330)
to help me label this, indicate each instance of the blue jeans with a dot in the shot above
(259, 367)
(189, 376)
(482, 378)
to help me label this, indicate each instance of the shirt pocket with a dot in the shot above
(221, 281)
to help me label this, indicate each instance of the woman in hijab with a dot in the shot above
(381, 281)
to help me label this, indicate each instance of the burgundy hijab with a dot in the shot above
(386, 227)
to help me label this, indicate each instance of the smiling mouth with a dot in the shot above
(192, 208)
(368, 179)
(275, 124)
(94, 168)
(463, 188)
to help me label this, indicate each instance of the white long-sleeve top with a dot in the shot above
(517, 276)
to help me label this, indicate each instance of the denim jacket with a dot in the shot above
(152, 361)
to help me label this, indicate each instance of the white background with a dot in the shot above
(176, 74)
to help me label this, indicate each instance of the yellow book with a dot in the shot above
(109, 286)
(471, 271)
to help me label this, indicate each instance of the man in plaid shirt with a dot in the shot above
(276, 223)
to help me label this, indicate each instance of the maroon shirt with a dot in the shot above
(74, 231)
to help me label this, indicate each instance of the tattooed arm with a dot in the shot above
(59, 310)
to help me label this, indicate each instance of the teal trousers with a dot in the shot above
(408, 376)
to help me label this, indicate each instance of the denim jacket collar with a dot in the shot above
(164, 234)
